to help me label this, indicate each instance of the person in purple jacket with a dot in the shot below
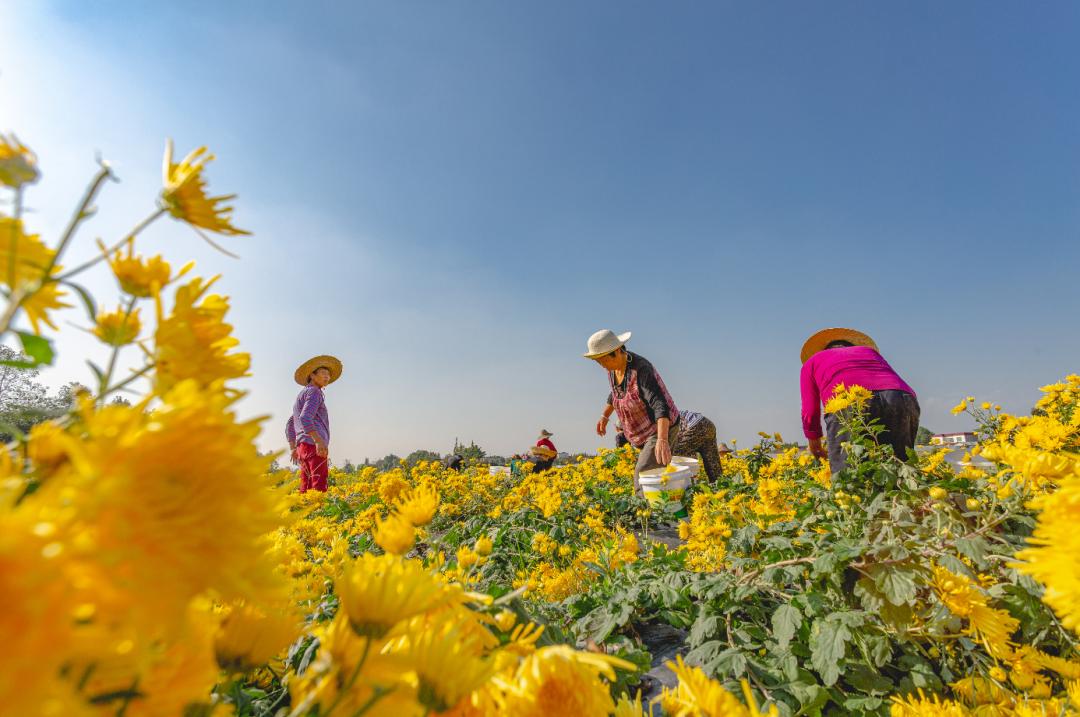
(308, 428)
(834, 356)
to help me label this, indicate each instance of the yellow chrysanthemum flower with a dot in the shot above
(184, 193)
(194, 342)
(993, 627)
(466, 557)
(1054, 556)
(627, 707)
(118, 328)
(484, 546)
(395, 534)
(138, 504)
(18, 165)
(561, 680)
(505, 620)
(39, 633)
(448, 659)
(696, 694)
(141, 277)
(23, 260)
(378, 592)
(921, 706)
(249, 637)
(355, 675)
(846, 396)
(181, 676)
(419, 506)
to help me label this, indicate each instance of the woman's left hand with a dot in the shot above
(662, 451)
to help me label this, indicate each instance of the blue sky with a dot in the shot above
(452, 196)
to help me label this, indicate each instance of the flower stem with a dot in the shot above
(105, 253)
(107, 377)
(78, 217)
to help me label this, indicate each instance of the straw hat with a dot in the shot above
(312, 364)
(823, 338)
(545, 433)
(604, 342)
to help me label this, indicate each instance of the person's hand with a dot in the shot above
(294, 456)
(601, 426)
(321, 449)
(662, 451)
(817, 448)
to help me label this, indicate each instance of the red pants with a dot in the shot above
(313, 468)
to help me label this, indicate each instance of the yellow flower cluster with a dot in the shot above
(1044, 453)
(846, 396)
(406, 642)
(18, 165)
(23, 264)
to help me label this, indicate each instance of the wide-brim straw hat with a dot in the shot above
(545, 433)
(823, 338)
(604, 342)
(312, 364)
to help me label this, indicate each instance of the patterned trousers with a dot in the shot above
(700, 441)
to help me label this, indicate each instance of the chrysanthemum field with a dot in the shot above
(150, 564)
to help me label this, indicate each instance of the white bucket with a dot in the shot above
(692, 463)
(659, 485)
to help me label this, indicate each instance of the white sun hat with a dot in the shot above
(604, 342)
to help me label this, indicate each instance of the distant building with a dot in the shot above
(952, 439)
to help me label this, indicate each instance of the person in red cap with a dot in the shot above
(544, 451)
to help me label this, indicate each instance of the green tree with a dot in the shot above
(421, 455)
(24, 401)
(387, 462)
(472, 453)
(922, 438)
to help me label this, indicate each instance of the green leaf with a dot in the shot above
(828, 639)
(87, 299)
(704, 627)
(824, 564)
(785, 622)
(731, 663)
(897, 584)
(862, 704)
(706, 655)
(866, 680)
(953, 564)
(869, 595)
(974, 548)
(37, 348)
(878, 648)
(898, 617)
(811, 696)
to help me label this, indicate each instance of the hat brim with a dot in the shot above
(623, 338)
(823, 338)
(305, 369)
